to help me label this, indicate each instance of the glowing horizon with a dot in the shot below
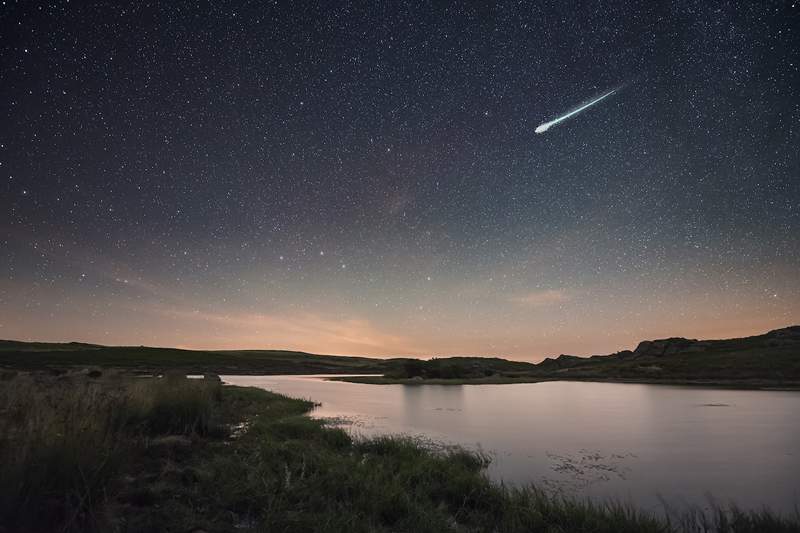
(361, 181)
(534, 325)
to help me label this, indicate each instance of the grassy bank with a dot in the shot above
(65, 357)
(115, 454)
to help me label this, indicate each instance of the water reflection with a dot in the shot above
(431, 401)
(628, 441)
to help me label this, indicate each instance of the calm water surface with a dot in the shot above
(640, 443)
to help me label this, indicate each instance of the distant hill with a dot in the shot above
(20, 346)
(773, 356)
(771, 359)
(55, 356)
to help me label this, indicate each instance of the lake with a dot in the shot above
(639, 443)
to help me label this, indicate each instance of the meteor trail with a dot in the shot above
(546, 126)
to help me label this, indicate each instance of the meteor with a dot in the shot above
(546, 126)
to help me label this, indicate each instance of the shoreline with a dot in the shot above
(372, 378)
(765, 385)
(196, 455)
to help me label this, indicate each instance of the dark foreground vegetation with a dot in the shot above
(771, 360)
(111, 453)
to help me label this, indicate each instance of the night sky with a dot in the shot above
(365, 179)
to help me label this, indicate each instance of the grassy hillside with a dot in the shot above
(61, 356)
(20, 346)
(32, 356)
(768, 360)
(773, 357)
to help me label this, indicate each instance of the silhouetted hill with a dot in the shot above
(768, 360)
(55, 356)
(773, 356)
(771, 359)
(21, 346)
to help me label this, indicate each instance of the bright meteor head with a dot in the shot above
(546, 126)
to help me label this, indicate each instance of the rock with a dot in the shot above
(567, 361)
(561, 362)
(662, 347)
(784, 336)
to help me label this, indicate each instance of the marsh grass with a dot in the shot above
(730, 518)
(82, 454)
(176, 405)
(293, 473)
(64, 441)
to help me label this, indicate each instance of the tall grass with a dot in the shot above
(298, 475)
(78, 454)
(175, 405)
(732, 519)
(301, 476)
(63, 441)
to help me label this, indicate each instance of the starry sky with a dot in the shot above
(364, 178)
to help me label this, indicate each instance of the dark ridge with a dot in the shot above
(770, 359)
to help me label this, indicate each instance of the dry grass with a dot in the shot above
(63, 441)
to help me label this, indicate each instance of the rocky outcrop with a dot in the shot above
(791, 332)
(673, 345)
(789, 336)
(755, 356)
(562, 361)
(784, 337)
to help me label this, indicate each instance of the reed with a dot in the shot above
(172, 454)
